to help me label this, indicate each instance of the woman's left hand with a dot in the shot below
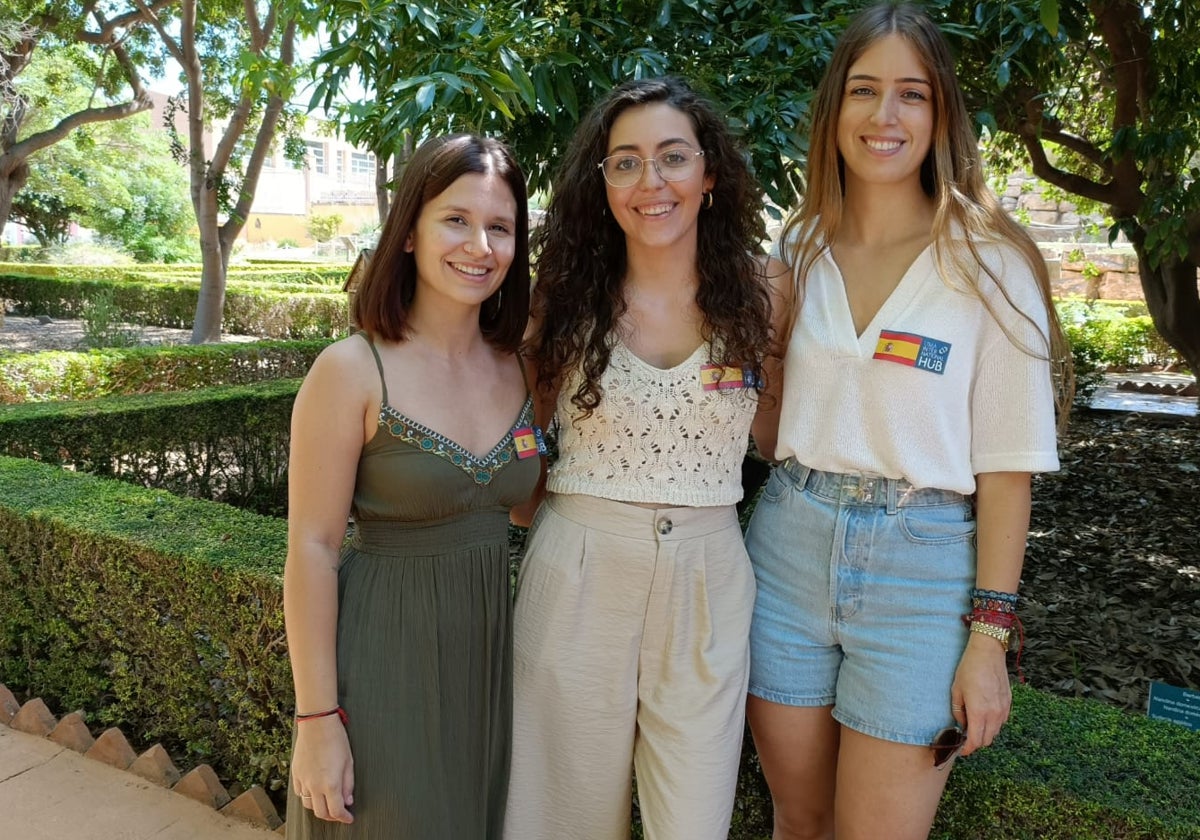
(981, 697)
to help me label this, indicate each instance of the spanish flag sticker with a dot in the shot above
(912, 350)
(720, 378)
(528, 441)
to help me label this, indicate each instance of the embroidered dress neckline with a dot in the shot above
(481, 469)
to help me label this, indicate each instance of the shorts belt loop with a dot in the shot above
(802, 474)
(893, 496)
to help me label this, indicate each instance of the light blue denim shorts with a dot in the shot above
(862, 584)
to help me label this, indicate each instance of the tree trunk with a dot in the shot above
(383, 196)
(11, 182)
(1172, 296)
(210, 306)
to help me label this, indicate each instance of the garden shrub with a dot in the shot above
(164, 616)
(267, 310)
(70, 375)
(1110, 335)
(283, 273)
(158, 614)
(228, 443)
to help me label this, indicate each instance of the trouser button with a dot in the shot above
(664, 526)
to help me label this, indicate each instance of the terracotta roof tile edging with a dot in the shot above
(154, 765)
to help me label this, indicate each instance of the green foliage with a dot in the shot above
(529, 71)
(322, 228)
(103, 325)
(251, 308)
(160, 614)
(143, 208)
(67, 375)
(1105, 336)
(47, 215)
(1064, 769)
(228, 443)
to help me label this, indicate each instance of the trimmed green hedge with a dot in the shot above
(270, 311)
(164, 615)
(294, 273)
(228, 443)
(159, 614)
(70, 375)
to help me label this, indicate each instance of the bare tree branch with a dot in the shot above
(108, 30)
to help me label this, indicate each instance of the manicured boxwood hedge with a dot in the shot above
(270, 310)
(293, 273)
(228, 443)
(80, 375)
(159, 614)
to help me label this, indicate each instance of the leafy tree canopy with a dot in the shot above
(1101, 98)
(144, 208)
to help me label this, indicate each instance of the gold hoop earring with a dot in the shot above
(708, 200)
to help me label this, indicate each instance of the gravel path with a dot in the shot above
(24, 335)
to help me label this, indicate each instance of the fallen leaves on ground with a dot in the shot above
(1111, 589)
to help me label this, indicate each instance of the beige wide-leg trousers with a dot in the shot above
(630, 652)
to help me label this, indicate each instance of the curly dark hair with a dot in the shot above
(578, 295)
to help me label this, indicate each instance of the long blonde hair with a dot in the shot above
(951, 174)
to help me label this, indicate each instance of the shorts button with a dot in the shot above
(664, 526)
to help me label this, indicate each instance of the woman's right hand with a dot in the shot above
(323, 769)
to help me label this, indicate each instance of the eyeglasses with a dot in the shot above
(946, 745)
(672, 165)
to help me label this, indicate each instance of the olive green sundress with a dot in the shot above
(424, 638)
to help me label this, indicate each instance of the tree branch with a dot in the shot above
(173, 47)
(1051, 174)
(106, 34)
(1121, 26)
(1079, 145)
(262, 141)
(257, 40)
(36, 142)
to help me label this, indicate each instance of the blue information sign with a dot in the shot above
(1178, 705)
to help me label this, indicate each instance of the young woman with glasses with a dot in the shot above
(917, 399)
(650, 318)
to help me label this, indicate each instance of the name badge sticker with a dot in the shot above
(529, 441)
(912, 350)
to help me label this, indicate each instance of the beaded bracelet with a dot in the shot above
(989, 600)
(336, 710)
(1010, 597)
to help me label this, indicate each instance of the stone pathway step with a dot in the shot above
(57, 782)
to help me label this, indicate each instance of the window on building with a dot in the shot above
(362, 166)
(316, 154)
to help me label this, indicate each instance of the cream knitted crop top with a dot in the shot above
(658, 436)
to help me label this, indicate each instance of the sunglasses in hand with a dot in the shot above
(946, 745)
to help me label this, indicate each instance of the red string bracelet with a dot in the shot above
(336, 710)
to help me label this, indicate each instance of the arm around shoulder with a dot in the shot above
(784, 303)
